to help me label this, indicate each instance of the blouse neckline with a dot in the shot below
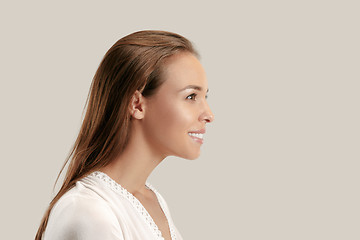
(137, 204)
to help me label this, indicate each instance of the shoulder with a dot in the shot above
(82, 214)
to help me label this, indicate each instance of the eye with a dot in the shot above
(191, 96)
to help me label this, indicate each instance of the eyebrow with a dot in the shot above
(193, 87)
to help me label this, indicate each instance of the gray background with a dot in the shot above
(281, 159)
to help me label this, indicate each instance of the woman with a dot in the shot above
(147, 101)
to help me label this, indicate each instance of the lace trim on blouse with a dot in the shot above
(137, 204)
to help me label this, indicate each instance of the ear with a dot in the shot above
(137, 105)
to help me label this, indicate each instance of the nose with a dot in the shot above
(207, 115)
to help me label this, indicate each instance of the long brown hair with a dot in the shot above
(132, 63)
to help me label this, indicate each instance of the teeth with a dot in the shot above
(198, 135)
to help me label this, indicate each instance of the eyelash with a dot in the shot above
(194, 94)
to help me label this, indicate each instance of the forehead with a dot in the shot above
(183, 69)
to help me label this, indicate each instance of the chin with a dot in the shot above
(188, 152)
(190, 156)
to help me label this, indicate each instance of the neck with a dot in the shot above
(134, 165)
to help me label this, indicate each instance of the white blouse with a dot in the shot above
(98, 208)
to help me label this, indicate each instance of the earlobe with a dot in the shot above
(137, 105)
(137, 115)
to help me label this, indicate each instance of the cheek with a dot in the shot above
(176, 117)
(172, 118)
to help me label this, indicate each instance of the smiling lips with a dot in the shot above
(197, 135)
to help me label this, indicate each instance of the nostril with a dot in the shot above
(209, 118)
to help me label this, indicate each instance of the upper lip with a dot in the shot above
(198, 131)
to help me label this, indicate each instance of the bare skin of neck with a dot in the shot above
(134, 165)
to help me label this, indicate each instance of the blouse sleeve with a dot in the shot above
(82, 218)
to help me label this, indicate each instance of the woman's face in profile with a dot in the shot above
(178, 108)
